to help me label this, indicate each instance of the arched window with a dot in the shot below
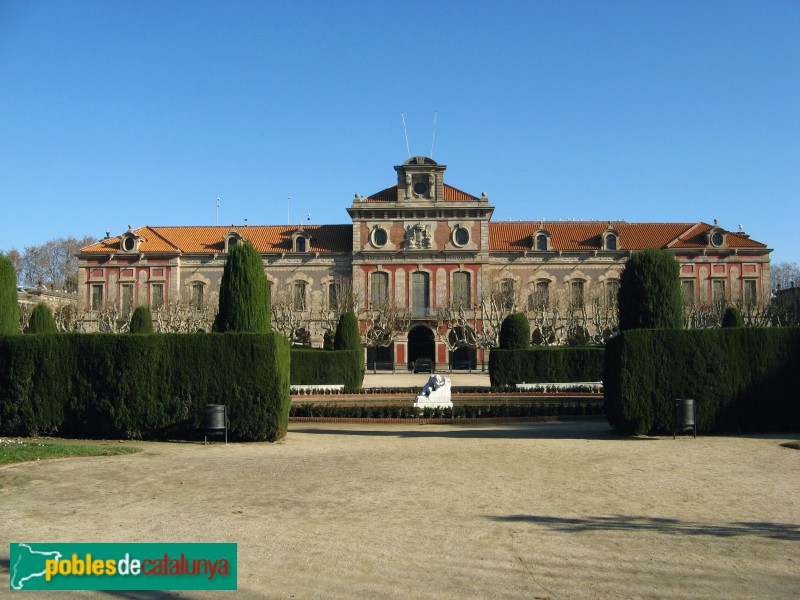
(612, 289)
(462, 296)
(611, 242)
(576, 294)
(299, 293)
(198, 291)
(300, 244)
(378, 288)
(540, 296)
(541, 242)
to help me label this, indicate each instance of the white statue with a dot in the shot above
(435, 394)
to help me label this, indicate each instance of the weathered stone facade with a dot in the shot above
(430, 255)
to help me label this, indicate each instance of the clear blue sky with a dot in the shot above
(143, 112)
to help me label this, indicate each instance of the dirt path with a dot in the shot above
(555, 510)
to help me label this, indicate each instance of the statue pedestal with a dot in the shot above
(435, 394)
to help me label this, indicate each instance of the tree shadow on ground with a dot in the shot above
(776, 531)
(555, 430)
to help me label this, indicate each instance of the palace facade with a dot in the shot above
(426, 256)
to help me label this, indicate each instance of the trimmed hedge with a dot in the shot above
(143, 386)
(541, 409)
(326, 367)
(545, 364)
(347, 336)
(741, 379)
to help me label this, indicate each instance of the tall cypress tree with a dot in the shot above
(244, 303)
(515, 332)
(347, 335)
(650, 292)
(41, 320)
(141, 320)
(9, 304)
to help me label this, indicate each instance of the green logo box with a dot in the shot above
(86, 566)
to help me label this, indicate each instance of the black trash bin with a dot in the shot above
(216, 421)
(684, 416)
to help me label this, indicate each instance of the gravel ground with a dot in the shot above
(546, 510)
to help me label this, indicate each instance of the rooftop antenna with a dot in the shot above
(433, 138)
(405, 132)
(288, 214)
(217, 223)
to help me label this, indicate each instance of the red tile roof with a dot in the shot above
(587, 235)
(210, 239)
(451, 194)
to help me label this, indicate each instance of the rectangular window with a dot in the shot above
(505, 297)
(97, 297)
(718, 291)
(576, 294)
(378, 289)
(612, 291)
(197, 295)
(750, 292)
(687, 287)
(420, 294)
(540, 297)
(300, 295)
(333, 295)
(157, 296)
(126, 298)
(461, 290)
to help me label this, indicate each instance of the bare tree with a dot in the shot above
(455, 330)
(784, 275)
(53, 264)
(327, 313)
(384, 322)
(293, 322)
(180, 316)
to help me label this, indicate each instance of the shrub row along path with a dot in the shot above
(553, 510)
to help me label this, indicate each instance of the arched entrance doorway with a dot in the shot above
(421, 344)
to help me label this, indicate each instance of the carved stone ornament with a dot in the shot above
(418, 237)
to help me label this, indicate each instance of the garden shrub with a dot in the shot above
(141, 320)
(732, 317)
(143, 386)
(41, 320)
(742, 379)
(515, 332)
(545, 364)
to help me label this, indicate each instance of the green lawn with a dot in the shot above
(16, 450)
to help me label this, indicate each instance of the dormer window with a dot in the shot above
(541, 240)
(716, 236)
(231, 239)
(129, 241)
(610, 238)
(301, 241)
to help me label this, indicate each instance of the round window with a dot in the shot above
(421, 188)
(460, 236)
(128, 244)
(717, 239)
(379, 237)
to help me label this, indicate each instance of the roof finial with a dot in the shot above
(130, 227)
(716, 222)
